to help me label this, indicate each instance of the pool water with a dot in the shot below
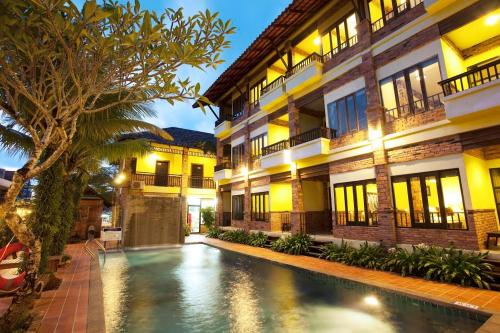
(198, 288)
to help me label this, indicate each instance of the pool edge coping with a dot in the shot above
(436, 299)
(96, 321)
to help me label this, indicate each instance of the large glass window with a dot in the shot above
(432, 200)
(382, 11)
(356, 203)
(343, 34)
(258, 143)
(238, 153)
(348, 114)
(260, 206)
(255, 92)
(413, 90)
(238, 207)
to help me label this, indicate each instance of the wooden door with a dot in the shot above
(197, 175)
(161, 173)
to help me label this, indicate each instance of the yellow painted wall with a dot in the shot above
(208, 164)
(147, 164)
(307, 46)
(479, 182)
(280, 197)
(308, 122)
(453, 61)
(313, 194)
(226, 201)
(277, 133)
(494, 52)
(493, 164)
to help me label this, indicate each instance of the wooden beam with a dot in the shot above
(215, 114)
(481, 47)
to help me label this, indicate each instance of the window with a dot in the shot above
(429, 200)
(260, 206)
(258, 143)
(356, 203)
(382, 11)
(238, 207)
(238, 154)
(348, 113)
(237, 106)
(343, 34)
(255, 92)
(413, 90)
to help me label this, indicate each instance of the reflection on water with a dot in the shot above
(197, 288)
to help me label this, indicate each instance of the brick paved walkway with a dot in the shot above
(485, 300)
(65, 310)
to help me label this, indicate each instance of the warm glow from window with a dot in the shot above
(120, 178)
(492, 19)
(317, 41)
(244, 171)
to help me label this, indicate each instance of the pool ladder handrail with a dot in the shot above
(91, 253)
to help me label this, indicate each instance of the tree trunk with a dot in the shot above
(23, 299)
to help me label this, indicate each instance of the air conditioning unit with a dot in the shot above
(137, 185)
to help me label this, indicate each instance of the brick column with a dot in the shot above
(247, 216)
(293, 117)
(184, 189)
(297, 202)
(219, 151)
(219, 209)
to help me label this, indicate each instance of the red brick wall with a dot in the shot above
(465, 239)
(398, 22)
(371, 234)
(483, 221)
(238, 224)
(415, 120)
(260, 225)
(434, 148)
(349, 139)
(90, 215)
(351, 164)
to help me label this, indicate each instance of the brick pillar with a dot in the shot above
(247, 216)
(364, 34)
(297, 202)
(293, 117)
(184, 189)
(219, 208)
(219, 151)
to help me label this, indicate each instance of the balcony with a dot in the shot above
(311, 143)
(305, 73)
(223, 171)
(273, 94)
(389, 15)
(431, 103)
(473, 91)
(151, 179)
(275, 154)
(201, 182)
(222, 126)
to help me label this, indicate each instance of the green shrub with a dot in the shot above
(214, 232)
(339, 253)
(368, 256)
(402, 261)
(257, 239)
(296, 244)
(235, 236)
(187, 230)
(208, 216)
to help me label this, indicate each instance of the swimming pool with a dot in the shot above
(198, 288)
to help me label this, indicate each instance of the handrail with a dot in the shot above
(400, 10)
(223, 118)
(336, 50)
(316, 133)
(201, 182)
(473, 78)
(92, 254)
(275, 147)
(223, 165)
(304, 63)
(150, 179)
(273, 84)
(431, 103)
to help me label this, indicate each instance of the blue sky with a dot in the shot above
(249, 17)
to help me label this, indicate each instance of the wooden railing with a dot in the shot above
(223, 165)
(258, 216)
(223, 118)
(343, 218)
(431, 103)
(275, 147)
(201, 182)
(313, 57)
(151, 179)
(321, 132)
(345, 45)
(273, 84)
(473, 78)
(401, 9)
(319, 222)
(454, 220)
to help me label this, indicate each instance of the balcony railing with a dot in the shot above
(283, 219)
(321, 132)
(314, 57)
(472, 78)
(345, 45)
(319, 222)
(274, 84)
(421, 105)
(258, 216)
(151, 179)
(201, 182)
(223, 118)
(349, 218)
(276, 147)
(401, 9)
(222, 166)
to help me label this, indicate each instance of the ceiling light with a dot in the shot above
(492, 19)
(317, 41)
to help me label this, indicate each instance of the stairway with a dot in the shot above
(495, 261)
